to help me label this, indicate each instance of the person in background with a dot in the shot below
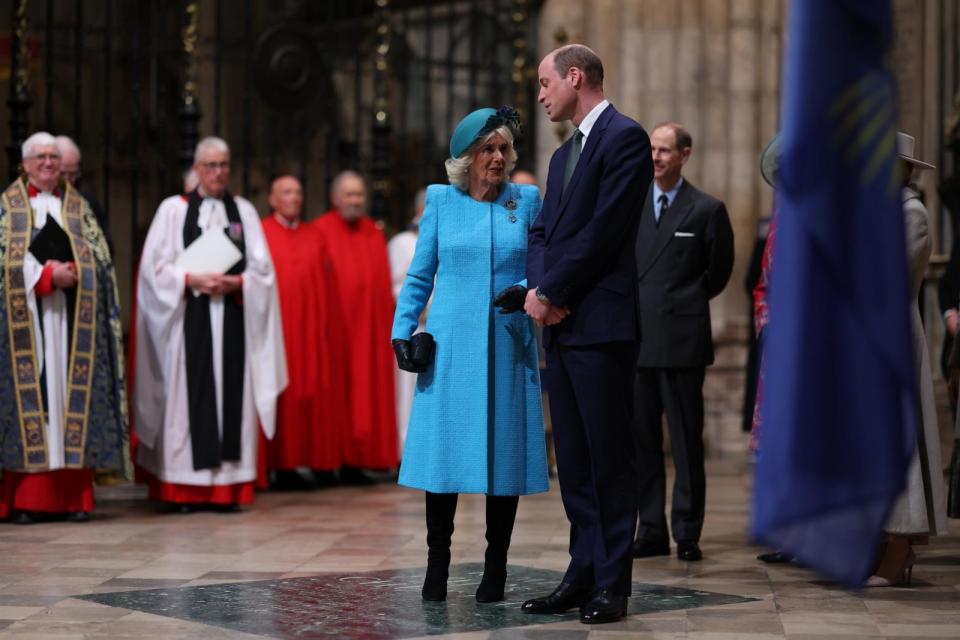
(312, 411)
(400, 252)
(209, 352)
(522, 176)
(684, 259)
(358, 252)
(920, 511)
(752, 277)
(70, 159)
(64, 414)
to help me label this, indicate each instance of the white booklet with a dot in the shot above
(212, 252)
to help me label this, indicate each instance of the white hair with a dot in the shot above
(458, 169)
(210, 143)
(65, 144)
(39, 139)
(190, 180)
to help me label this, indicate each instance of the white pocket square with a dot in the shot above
(683, 234)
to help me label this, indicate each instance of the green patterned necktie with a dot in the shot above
(573, 158)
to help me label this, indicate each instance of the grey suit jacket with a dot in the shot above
(681, 264)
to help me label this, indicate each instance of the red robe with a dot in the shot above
(312, 413)
(358, 251)
(57, 491)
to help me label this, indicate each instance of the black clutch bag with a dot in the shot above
(421, 349)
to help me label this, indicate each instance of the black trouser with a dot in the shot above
(592, 412)
(679, 393)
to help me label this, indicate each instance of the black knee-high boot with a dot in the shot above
(501, 513)
(441, 507)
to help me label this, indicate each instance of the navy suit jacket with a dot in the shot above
(582, 245)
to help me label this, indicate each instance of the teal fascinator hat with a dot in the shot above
(479, 123)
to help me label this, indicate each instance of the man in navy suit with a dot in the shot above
(580, 270)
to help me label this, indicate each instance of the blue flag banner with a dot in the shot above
(839, 407)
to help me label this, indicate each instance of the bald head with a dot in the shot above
(286, 197)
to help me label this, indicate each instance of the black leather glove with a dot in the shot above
(511, 299)
(421, 349)
(401, 348)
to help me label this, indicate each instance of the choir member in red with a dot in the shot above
(312, 413)
(210, 356)
(358, 251)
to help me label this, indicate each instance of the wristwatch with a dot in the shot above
(542, 297)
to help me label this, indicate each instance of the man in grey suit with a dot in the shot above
(684, 258)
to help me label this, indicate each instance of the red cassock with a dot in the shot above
(358, 251)
(313, 411)
(58, 491)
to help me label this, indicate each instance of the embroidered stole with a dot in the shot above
(23, 353)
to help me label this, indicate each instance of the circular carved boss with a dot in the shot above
(288, 70)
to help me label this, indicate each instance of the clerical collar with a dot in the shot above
(285, 223)
(205, 195)
(33, 192)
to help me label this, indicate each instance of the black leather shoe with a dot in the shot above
(775, 557)
(77, 516)
(605, 606)
(689, 551)
(650, 548)
(564, 597)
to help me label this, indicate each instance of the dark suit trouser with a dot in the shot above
(591, 406)
(679, 392)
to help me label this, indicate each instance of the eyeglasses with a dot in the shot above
(211, 166)
(46, 156)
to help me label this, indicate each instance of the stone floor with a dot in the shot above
(346, 562)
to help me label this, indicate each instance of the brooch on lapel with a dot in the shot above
(511, 206)
(235, 231)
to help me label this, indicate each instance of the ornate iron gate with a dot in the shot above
(308, 88)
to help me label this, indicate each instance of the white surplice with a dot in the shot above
(400, 251)
(160, 389)
(50, 332)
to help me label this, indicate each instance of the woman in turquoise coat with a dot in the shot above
(476, 425)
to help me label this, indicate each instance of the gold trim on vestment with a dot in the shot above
(22, 338)
(80, 373)
(23, 354)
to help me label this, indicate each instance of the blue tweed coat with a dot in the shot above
(476, 424)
